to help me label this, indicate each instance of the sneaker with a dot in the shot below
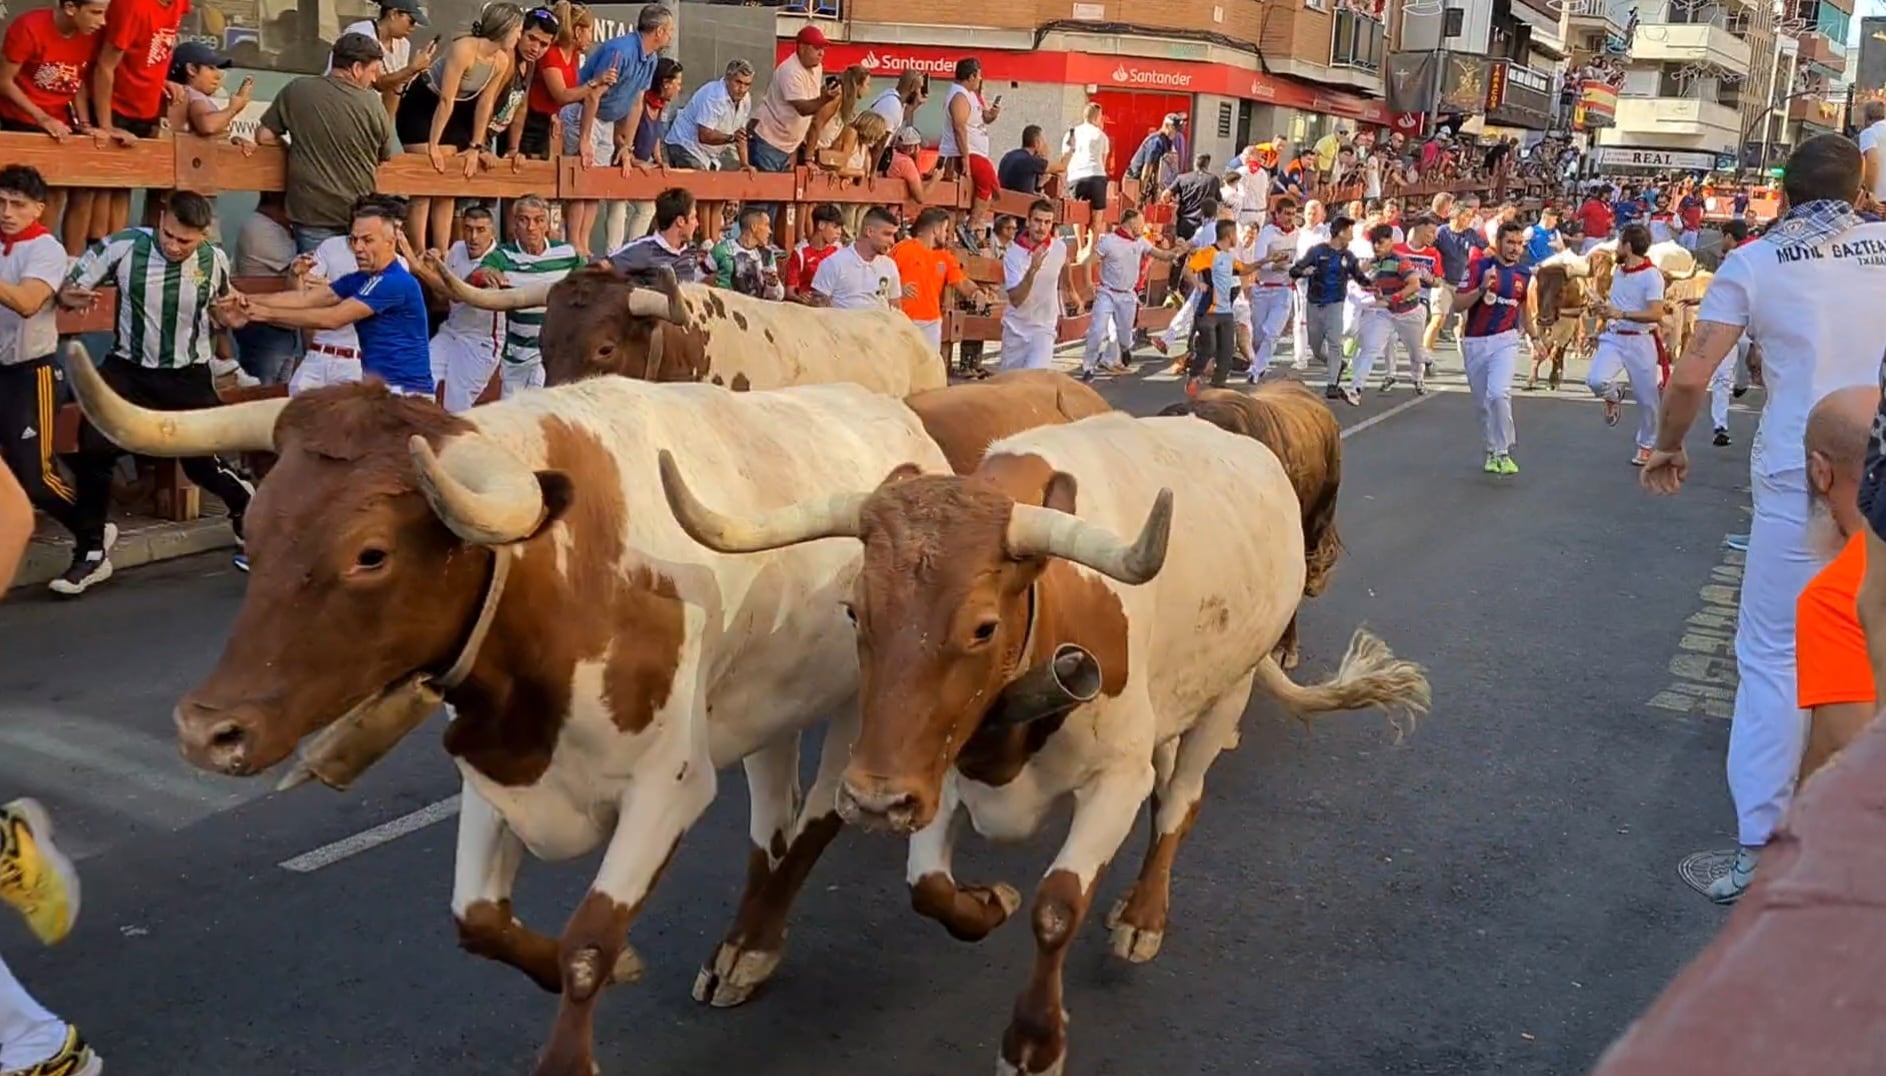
(1421, 390)
(1332, 392)
(1722, 437)
(35, 878)
(1507, 466)
(1492, 464)
(1352, 397)
(1086, 374)
(1388, 385)
(1159, 344)
(1737, 542)
(74, 1058)
(87, 571)
(1729, 888)
(1642, 457)
(1427, 368)
(1610, 409)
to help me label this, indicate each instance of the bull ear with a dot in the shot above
(899, 473)
(1060, 493)
(559, 494)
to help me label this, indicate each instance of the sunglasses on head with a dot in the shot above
(543, 18)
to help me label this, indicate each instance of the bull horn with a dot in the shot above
(503, 300)
(238, 427)
(662, 301)
(1068, 679)
(1044, 532)
(483, 493)
(834, 516)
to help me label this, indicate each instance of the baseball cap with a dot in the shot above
(909, 136)
(410, 7)
(195, 52)
(813, 36)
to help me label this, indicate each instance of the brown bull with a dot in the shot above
(1292, 422)
(966, 419)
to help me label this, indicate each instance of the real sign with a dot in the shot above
(1673, 160)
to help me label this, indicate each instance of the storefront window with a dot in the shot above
(1355, 41)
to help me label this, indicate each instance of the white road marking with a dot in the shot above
(329, 854)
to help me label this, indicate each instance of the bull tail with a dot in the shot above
(1370, 677)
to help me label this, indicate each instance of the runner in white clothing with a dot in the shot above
(1275, 252)
(1315, 230)
(862, 275)
(1031, 271)
(1808, 295)
(1628, 344)
(1120, 252)
(465, 349)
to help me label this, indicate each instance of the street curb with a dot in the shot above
(45, 561)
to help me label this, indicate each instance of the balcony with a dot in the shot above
(1818, 48)
(1711, 125)
(1613, 15)
(1815, 112)
(1690, 43)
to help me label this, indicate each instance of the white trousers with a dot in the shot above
(1722, 384)
(1636, 357)
(1181, 327)
(1376, 330)
(1115, 310)
(1769, 731)
(933, 332)
(1351, 314)
(515, 377)
(29, 1033)
(464, 363)
(1270, 308)
(1490, 361)
(1027, 348)
(1300, 326)
(318, 369)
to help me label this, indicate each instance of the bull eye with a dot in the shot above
(985, 631)
(851, 613)
(603, 351)
(370, 559)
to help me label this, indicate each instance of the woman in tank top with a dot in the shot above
(450, 107)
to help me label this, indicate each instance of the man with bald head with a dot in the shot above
(1833, 677)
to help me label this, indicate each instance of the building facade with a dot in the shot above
(1689, 78)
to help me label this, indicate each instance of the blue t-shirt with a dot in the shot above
(634, 71)
(393, 343)
(1539, 243)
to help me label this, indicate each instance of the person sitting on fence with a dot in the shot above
(199, 70)
(168, 280)
(746, 262)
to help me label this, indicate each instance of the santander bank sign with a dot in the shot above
(1126, 74)
(900, 62)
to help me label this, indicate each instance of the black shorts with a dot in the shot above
(1093, 191)
(412, 120)
(141, 128)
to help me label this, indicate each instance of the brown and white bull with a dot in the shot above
(620, 664)
(1017, 654)
(597, 322)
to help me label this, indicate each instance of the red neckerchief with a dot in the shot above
(1647, 264)
(1124, 234)
(649, 98)
(31, 231)
(1022, 241)
(1284, 231)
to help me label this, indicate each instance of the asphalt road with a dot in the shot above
(1495, 895)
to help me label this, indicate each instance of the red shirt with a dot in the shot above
(553, 60)
(53, 68)
(804, 265)
(1427, 258)
(1596, 217)
(1690, 211)
(147, 32)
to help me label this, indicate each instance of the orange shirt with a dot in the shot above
(1831, 664)
(930, 269)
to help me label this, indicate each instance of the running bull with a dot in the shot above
(1018, 653)
(598, 322)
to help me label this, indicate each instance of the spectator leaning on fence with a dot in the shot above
(32, 267)
(903, 163)
(44, 64)
(796, 94)
(337, 133)
(555, 82)
(128, 79)
(393, 29)
(603, 127)
(449, 110)
(650, 136)
(199, 70)
(711, 130)
(168, 278)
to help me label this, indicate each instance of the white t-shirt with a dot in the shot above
(1633, 290)
(1090, 147)
(1271, 241)
(40, 258)
(1254, 183)
(1874, 137)
(974, 128)
(852, 283)
(465, 319)
(891, 107)
(398, 53)
(778, 122)
(1119, 259)
(1817, 316)
(1042, 309)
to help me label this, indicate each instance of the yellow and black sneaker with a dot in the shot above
(34, 876)
(73, 1059)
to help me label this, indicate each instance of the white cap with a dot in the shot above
(909, 136)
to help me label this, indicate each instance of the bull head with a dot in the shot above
(945, 607)
(370, 544)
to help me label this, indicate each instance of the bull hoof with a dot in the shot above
(628, 967)
(1006, 896)
(1131, 943)
(732, 976)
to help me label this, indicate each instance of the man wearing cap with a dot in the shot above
(712, 126)
(793, 97)
(394, 31)
(903, 164)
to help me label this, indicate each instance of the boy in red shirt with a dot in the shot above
(128, 80)
(44, 63)
(803, 265)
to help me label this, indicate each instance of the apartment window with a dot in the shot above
(1355, 41)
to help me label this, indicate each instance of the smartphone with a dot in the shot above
(998, 98)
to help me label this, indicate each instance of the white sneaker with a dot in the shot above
(1729, 888)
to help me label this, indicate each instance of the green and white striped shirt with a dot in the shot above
(163, 306)
(519, 266)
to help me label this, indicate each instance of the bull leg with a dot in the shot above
(1035, 1042)
(969, 913)
(1286, 652)
(654, 814)
(1138, 921)
(788, 837)
(486, 868)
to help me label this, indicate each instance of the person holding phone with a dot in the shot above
(899, 104)
(393, 29)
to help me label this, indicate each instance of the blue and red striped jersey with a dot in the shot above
(1498, 308)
